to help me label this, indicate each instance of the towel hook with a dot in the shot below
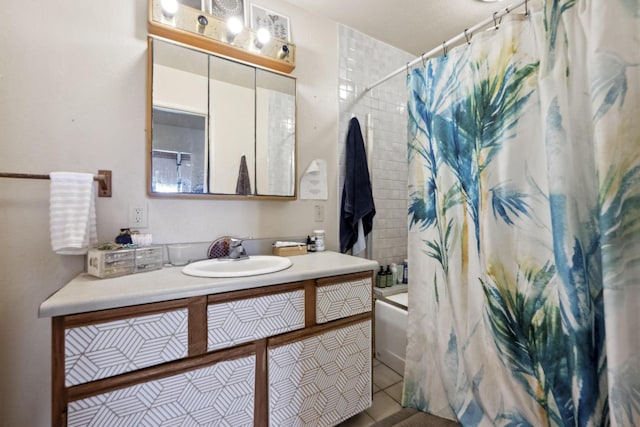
(467, 35)
(444, 48)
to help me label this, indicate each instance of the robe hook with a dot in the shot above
(467, 35)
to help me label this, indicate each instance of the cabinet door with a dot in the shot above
(343, 296)
(321, 380)
(249, 319)
(219, 394)
(104, 349)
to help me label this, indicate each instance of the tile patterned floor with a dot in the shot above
(387, 397)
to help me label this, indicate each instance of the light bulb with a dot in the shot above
(234, 25)
(263, 36)
(169, 7)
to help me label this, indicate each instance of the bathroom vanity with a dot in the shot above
(287, 348)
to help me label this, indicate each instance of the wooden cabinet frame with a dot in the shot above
(198, 356)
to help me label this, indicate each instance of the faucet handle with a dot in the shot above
(235, 242)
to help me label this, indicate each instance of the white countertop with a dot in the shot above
(88, 293)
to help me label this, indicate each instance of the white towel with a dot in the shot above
(72, 213)
(360, 244)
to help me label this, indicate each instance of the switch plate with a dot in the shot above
(138, 215)
(318, 213)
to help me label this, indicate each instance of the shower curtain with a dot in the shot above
(524, 222)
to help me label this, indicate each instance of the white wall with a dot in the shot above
(72, 97)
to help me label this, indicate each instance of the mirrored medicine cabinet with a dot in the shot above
(218, 128)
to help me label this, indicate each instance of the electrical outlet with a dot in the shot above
(138, 216)
(318, 213)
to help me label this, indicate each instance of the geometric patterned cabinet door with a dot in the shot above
(220, 395)
(250, 319)
(106, 349)
(343, 299)
(321, 380)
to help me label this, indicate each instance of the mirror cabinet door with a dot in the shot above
(232, 132)
(275, 134)
(219, 127)
(179, 119)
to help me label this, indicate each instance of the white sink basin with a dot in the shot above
(253, 266)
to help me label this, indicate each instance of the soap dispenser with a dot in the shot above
(380, 278)
(388, 277)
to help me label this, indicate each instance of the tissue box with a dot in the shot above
(120, 262)
(290, 250)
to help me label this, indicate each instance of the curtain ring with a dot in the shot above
(496, 23)
(507, 9)
(444, 48)
(424, 61)
(467, 35)
(407, 69)
(526, 7)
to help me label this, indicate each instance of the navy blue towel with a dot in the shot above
(357, 197)
(243, 185)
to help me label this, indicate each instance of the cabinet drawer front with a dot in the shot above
(346, 298)
(321, 380)
(106, 349)
(220, 394)
(235, 322)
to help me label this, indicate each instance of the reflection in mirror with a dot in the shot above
(232, 133)
(275, 133)
(219, 127)
(181, 138)
(179, 119)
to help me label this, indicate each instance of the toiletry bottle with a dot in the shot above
(309, 244)
(405, 272)
(388, 277)
(319, 240)
(394, 273)
(380, 279)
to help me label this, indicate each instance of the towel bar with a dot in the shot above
(103, 178)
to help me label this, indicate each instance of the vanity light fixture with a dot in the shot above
(262, 37)
(169, 7)
(190, 26)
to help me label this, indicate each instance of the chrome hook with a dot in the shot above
(467, 35)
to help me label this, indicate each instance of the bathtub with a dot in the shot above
(391, 330)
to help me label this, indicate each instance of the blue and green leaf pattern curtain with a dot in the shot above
(524, 222)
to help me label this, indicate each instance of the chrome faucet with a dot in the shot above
(236, 250)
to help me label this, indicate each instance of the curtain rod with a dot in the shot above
(103, 178)
(466, 34)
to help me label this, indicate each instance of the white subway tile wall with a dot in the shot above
(364, 60)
